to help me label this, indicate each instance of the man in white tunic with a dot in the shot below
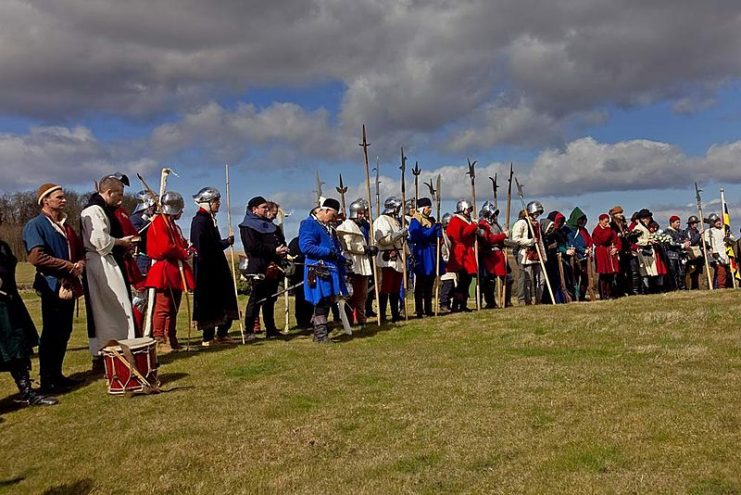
(110, 315)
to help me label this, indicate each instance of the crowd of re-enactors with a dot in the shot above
(133, 268)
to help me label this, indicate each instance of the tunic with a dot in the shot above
(604, 239)
(110, 306)
(321, 247)
(462, 234)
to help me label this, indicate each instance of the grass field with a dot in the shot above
(640, 395)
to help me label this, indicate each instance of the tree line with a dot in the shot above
(17, 208)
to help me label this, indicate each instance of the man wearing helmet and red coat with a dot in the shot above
(170, 274)
(462, 231)
(491, 253)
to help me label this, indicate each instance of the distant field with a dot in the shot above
(639, 395)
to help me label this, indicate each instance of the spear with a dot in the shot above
(438, 196)
(231, 251)
(472, 173)
(509, 197)
(371, 237)
(416, 171)
(378, 190)
(342, 189)
(403, 224)
(494, 186)
(537, 243)
(318, 190)
(702, 219)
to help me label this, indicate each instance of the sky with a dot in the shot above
(595, 103)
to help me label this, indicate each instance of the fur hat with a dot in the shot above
(422, 202)
(644, 213)
(615, 210)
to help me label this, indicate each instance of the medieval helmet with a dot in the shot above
(145, 200)
(357, 206)
(391, 205)
(488, 210)
(446, 219)
(463, 206)
(693, 219)
(172, 203)
(534, 207)
(712, 218)
(206, 195)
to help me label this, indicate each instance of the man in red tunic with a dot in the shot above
(462, 233)
(170, 274)
(491, 254)
(606, 255)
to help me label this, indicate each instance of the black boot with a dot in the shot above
(419, 305)
(321, 332)
(395, 315)
(28, 395)
(383, 301)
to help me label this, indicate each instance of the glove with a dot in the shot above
(371, 251)
(230, 240)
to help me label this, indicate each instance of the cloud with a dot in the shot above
(406, 66)
(70, 156)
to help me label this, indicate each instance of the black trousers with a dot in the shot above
(446, 291)
(423, 292)
(221, 331)
(56, 318)
(261, 289)
(460, 293)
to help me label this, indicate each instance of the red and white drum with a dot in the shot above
(119, 361)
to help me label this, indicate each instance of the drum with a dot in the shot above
(139, 354)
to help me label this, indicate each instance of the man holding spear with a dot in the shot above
(371, 235)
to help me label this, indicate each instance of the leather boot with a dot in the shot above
(321, 332)
(395, 315)
(383, 301)
(28, 395)
(419, 305)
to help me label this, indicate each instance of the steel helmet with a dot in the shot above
(391, 205)
(145, 200)
(488, 210)
(446, 219)
(172, 203)
(534, 207)
(463, 206)
(693, 219)
(206, 195)
(357, 206)
(712, 218)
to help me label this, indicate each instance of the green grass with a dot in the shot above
(639, 395)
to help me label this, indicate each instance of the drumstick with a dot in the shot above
(148, 387)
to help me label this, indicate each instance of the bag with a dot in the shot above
(70, 289)
(273, 271)
(391, 255)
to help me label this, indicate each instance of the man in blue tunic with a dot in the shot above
(324, 271)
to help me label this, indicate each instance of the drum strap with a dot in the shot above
(127, 359)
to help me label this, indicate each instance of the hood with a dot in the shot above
(557, 218)
(576, 214)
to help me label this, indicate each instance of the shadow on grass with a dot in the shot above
(79, 487)
(11, 481)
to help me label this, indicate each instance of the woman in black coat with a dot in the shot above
(18, 334)
(214, 301)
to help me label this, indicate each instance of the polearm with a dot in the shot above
(727, 227)
(474, 217)
(231, 251)
(702, 239)
(416, 171)
(280, 223)
(537, 244)
(378, 189)
(150, 292)
(371, 236)
(403, 169)
(494, 187)
(509, 197)
(342, 189)
(437, 195)
(318, 189)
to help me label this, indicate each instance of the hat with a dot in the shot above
(604, 216)
(615, 210)
(644, 213)
(674, 218)
(331, 203)
(256, 201)
(422, 202)
(44, 190)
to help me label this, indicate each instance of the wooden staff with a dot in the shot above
(474, 218)
(371, 236)
(506, 228)
(438, 197)
(378, 188)
(403, 224)
(537, 244)
(702, 238)
(231, 253)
